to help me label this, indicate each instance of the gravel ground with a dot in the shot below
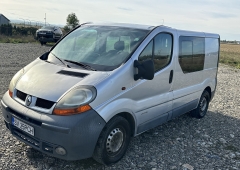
(183, 143)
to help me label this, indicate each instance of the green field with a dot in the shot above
(17, 39)
(230, 55)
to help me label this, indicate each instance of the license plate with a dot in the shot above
(42, 33)
(23, 126)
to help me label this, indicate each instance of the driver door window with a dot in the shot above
(147, 53)
(159, 50)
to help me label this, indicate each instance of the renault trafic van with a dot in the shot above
(103, 83)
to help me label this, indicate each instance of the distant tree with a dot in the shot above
(66, 29)
(72, 20)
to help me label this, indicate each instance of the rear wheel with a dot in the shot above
(113, 141)
(202, 108)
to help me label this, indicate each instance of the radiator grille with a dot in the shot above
(44, 103)
(41, 103)
(21, 95)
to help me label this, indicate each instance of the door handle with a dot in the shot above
(171, 77)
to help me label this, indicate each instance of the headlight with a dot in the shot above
(76, 101)
(14, 81)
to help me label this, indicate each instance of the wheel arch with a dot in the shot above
(208, 89)
(129, 117)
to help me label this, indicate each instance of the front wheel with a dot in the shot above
(202, 108)
(113, 141)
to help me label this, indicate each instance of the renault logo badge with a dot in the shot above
(28, 100)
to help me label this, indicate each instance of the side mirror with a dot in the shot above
(45, 56)
(145, 69)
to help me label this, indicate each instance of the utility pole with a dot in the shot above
(45, 19)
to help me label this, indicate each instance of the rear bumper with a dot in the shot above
(77, 134)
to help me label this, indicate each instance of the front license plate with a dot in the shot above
(23, 126)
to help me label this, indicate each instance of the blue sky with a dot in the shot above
(216, 16)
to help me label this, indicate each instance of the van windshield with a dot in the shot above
(103, 48)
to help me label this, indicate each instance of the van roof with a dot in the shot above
(195, 33)
(150, 27)
(127, 25)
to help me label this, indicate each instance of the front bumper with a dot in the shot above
(48, 37)
(77, 134)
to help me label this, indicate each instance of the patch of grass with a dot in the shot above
(17, 39)
(230, 55)
(229, 58)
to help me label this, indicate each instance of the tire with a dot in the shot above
(113, 141)
(202, 107)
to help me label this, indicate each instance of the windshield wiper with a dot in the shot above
(61, 61)
(81, 64)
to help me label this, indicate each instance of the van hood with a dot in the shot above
(50, 81)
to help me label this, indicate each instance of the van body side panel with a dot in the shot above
(154, 97)
(184, 108)
(152, 101)
(211, 61)
(211, 51)
(153, 123)
(111, 100)
(147, 100)
(186, 86)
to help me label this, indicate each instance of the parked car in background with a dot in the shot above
(48, 34)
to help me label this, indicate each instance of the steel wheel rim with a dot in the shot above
(203, 106)
(114, 140)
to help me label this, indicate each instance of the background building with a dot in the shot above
(4, 20)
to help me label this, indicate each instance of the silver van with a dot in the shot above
(103, 83)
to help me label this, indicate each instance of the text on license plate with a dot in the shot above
(23, 126)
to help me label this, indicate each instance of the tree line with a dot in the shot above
(9, 30)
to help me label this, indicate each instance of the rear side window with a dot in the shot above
(159, 50)
(191, 53)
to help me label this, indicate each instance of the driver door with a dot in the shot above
(154, 97)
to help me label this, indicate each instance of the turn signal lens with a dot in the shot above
(67, 112)
(10, 93)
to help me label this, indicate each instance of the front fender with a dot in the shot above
(110, 109)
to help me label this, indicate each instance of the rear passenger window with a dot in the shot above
(159, 50)
(191, 53)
